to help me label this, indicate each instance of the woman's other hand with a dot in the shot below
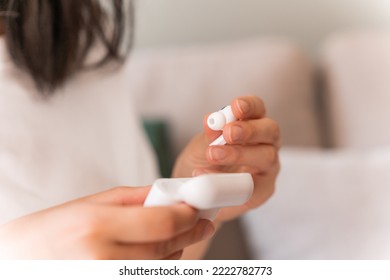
(108, 225)
(252, 146)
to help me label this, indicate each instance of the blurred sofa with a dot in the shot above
(333, 191)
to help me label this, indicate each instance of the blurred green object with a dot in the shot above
(157, 132)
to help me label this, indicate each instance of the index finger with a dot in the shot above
(120, 196)
(248, 107)
(151, 224)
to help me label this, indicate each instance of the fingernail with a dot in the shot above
(235, 133)
(217, 153)
(208, 230)
(243, 106)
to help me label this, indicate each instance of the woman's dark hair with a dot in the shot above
(50, 39)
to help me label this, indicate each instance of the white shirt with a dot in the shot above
(85, 139)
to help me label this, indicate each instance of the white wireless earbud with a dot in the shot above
(216, 121)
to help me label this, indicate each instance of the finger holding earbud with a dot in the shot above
(259, 158)
(252, 132)
(248, 107)
(242, 108)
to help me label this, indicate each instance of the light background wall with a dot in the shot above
(162, 23)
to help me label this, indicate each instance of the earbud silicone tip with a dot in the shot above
(216, 121)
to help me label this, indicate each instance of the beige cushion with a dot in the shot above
(357, 71)
(182, 85)
(328, 205)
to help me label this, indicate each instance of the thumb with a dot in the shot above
(124, 196)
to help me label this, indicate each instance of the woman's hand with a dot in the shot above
(252, 146)
(109, 225)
